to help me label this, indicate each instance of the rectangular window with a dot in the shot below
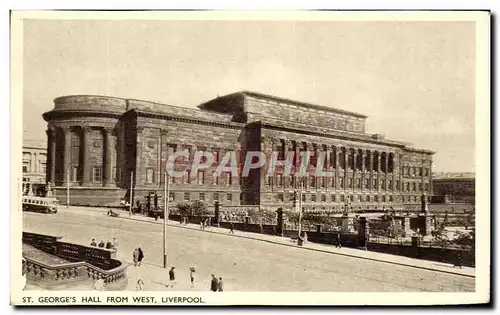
(382, 184)
(390, 185)
(420, 172)
(186, 196)
(349, 181)
(414, 186)
(313, 198)
(383, 198)
(216, 196)
(368, 198)
(420, 186)
(202, 196)
(96, 174)
(323, 198)
(334, 199)
(312, 181)
(341, 182)
(150, 176)
(216, 153)
(358, 183)
(229, 179)
(280, 197)
(42, 167)
(281, 149)
(303, 197)
(426, 185)
(375, 198)
(171, 196)
(279, 180)
(397, 185)
(229, 197)
(186, 179)
(200, 180)
(390, 199)
(268, 180)
(426, 172)
(333, 182)
(113, 174)
(374, 184)
(351, 197)
(322, 182)
(215, 179)
(367, 183)
(342, 198)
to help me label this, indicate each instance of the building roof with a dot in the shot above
(453, 175)
(31, 143)
(298, 103)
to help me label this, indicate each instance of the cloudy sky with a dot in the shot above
(415, 80)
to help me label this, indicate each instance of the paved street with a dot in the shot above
(244, 264)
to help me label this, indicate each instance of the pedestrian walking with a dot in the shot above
(139, 286)
(191, 275)
(135, 256)
(115, 243)
(338, 242)
(171, 276)
(214, 284)
(93, 243)
(201, 225)
(220, 285)
(231, 231)
(141, 256)
(101, 244)
(459, 261)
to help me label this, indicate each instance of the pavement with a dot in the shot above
(285, 241)
(246, 261)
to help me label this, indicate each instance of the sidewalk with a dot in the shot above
(350, 252)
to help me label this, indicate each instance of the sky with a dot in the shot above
(414, 80)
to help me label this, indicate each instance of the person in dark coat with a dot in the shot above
(171, 275)
(459, 262)
(141, 256)
(109, 245)
(101, 244)
(231, 231)
(214, 284)
(93, 243)
(338, 242)
(135, 256)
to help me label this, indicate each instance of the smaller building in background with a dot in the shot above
(34, 165)
(454, 188)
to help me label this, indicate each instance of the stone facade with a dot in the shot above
(102, 141)
(454, 187)
(34, 165)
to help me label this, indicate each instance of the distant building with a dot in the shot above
(454, 187)
(34, 164)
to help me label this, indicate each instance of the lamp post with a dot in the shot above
(300, 206)
(166, 200)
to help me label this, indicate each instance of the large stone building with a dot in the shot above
(98, 142)
(454, 188)
(34, 165)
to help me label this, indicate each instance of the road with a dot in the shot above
(245, 265)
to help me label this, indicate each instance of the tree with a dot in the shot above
(463, 239)
(439, 235)
(199, 208)
(184, 208)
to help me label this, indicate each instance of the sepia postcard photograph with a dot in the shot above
(250, 158)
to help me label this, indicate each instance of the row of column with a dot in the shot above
(85, 146)
(292, 145)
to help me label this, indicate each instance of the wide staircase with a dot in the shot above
(51, 264)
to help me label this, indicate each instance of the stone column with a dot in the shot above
(67, 154)
(337, 171)
(86, 156)
(287, 181)
(138, 172)
(51, 156)
(371, 171)
(379, 157)
(108, 157)
(362, 184)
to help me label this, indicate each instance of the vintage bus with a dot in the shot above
(40, 204)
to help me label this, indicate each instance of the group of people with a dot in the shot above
(107, 245)
(216, 284)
